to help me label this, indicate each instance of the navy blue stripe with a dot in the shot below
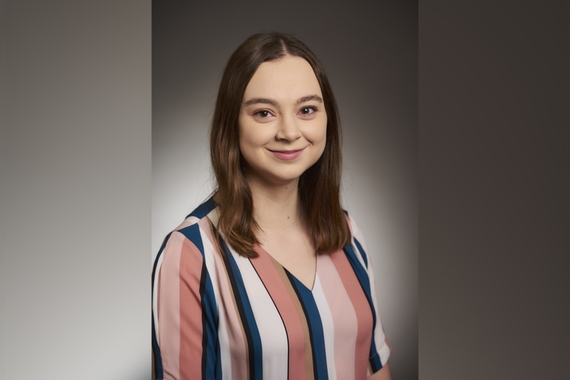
(361, 251)
(315, 327)
(211, 364)
(204, 209)
(364, 281)
(255, 357)
(205, 340)
(157, 357)
(375, 363)
(210, 317)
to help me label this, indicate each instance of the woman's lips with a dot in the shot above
(287, 155)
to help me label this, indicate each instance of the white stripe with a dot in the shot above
(268, 320)
(155, 298)
(384, 353)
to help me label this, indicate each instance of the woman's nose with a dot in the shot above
(288, 129)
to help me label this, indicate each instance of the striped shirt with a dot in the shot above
(225, 316)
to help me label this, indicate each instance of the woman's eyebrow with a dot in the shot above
(309, 98)
(262, 101)
(276, 104)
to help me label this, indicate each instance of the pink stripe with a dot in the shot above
(343, 315)
(266, 268)
(234, 327)
(191, 263)
(362, 309)
(168, 303)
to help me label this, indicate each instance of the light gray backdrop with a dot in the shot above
(75, 183)
(370, 53)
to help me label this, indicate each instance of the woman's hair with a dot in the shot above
(319, 186)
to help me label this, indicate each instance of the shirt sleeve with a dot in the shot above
(380, 348)
(178, 328)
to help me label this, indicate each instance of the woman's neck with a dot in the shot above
(276, 207)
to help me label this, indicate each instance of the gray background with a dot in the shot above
(74, 260)
(75, 174)
(370, 53)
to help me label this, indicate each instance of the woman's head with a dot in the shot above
(242, 65)
(318, 186)
(282, 123)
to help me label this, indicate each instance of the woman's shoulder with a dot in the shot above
(199, 216)
(355, 230)
(193, 230)
(357, 240)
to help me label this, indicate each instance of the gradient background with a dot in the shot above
(75, 189)
(370, 54)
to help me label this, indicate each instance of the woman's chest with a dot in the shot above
(268, 318)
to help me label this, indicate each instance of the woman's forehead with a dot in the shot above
(288, 78)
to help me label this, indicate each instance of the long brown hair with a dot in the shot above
(319, 186)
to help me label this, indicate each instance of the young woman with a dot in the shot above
(269, 278)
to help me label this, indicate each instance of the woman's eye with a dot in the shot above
(308, 110)
(263, 114)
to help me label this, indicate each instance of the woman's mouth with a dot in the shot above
(287, 155)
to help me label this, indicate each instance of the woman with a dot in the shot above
(269, 278)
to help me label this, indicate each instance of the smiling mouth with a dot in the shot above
(287, 155)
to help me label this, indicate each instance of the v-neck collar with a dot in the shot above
(261, 251)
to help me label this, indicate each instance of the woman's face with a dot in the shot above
(282, 121)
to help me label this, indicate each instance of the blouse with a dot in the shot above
(225, 316)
